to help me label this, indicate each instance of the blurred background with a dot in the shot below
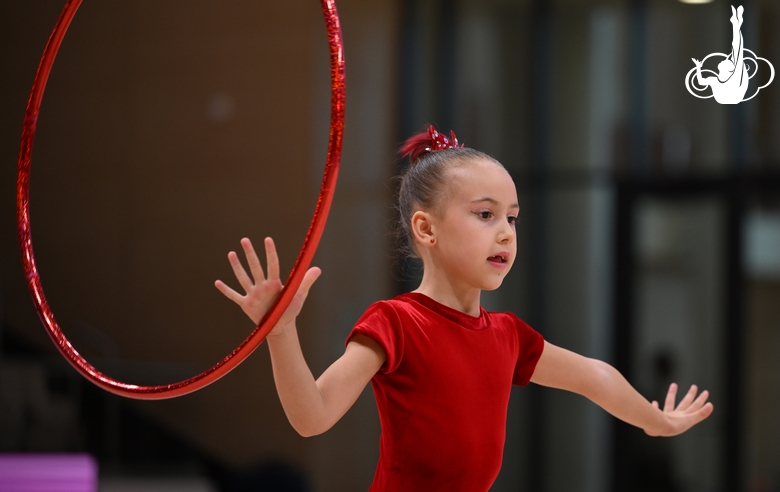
(649, 233)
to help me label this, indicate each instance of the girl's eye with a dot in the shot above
(512, 220)
(485, 214)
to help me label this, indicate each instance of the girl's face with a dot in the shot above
(475, 229)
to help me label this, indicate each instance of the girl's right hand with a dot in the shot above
(262, 292)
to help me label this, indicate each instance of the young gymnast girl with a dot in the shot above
(441, 366)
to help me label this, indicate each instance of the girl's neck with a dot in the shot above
(465, 300)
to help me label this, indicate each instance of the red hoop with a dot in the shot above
(293, 281)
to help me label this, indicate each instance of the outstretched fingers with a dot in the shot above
(671, 398)
(296, 303)
(260, 292)
(271, 259)
(700, 409)
(239, 272)
(308, 280)
(255, 268)
(228, 292)
(303, 290)
(688, 399)
(701, 401)
(691, 410)
(690, 402)
(254, 262)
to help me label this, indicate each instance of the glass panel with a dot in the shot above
(761, 461)
(679, 335)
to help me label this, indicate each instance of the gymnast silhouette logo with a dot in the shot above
(735, 70)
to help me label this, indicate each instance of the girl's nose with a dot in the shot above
(507, 233)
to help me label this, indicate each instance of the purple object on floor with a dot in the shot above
(48, 473)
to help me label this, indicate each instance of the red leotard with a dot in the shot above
(443, 392)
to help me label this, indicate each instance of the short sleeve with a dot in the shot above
(381, 323)
(531, 347)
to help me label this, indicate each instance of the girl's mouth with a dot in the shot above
(497, 260)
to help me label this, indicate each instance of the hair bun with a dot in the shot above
(428, 141)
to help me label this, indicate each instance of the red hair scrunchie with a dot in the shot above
(430, 141)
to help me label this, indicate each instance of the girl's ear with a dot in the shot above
(422, 228)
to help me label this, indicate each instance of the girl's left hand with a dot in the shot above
(690, 411)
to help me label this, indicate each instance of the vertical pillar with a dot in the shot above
(540, 127)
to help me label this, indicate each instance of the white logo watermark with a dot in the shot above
(730, 84)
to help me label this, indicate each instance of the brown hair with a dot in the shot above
(422, 184)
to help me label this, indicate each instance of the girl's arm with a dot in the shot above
(605, 386)
(312, 406)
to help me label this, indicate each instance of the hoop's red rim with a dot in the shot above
(333, 159)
